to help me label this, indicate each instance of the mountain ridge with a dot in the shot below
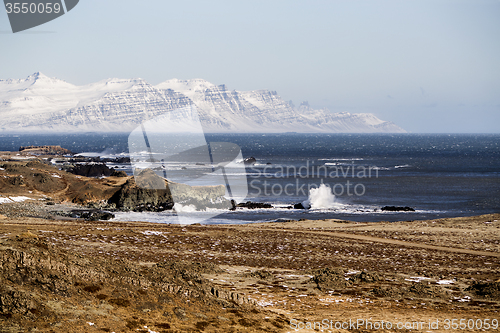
(40, 103)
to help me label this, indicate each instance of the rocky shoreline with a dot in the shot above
(90, 183)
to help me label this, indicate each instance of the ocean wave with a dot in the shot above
(341, 159)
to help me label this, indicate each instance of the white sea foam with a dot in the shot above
(184, 208)
(341, 159)
(321, 198)
(170, 217)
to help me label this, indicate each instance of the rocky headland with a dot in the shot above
(94, 185)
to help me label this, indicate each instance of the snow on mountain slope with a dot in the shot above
(39, 103)
(35, 94)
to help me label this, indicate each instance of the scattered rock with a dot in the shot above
(486, 289)
(16, 181)
(195, 267)
(260, 274)
(365, 277)
(392, 292)
(180, 313)
(330, 279)
(422, 290)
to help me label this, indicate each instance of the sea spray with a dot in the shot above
(179, 208)
(321, 198)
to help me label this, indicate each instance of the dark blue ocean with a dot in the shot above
(439, 175)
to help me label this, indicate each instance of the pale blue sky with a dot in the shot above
(427, 65)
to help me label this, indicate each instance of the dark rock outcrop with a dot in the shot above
(86, 214)
(254, 205)
(95, 170)
(85, 159)
(91, 170)
(92, 215)
(45, 150)
(119, 160)
(140, 198)
(330, 278)
(486, 289)
(149, 192)
(117, 173)
(300, 206)
(397, 209)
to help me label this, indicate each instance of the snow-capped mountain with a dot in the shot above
(39, 103)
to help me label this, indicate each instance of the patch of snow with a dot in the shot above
(150, 232)
(445, 282)
(264, 303)
(39, 102)
(21, 157)
(19, 199)
(417, 278)
(463, 299)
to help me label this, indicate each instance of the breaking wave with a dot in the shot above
(321, 198)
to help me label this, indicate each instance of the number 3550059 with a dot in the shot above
(25, 8)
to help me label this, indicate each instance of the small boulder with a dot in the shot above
(249, 161)
(300, 206)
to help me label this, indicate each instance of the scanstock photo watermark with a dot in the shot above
(25, 15)
(169, 153)
(341, 179)
(462, 324)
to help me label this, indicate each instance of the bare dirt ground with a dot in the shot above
(289, 274)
